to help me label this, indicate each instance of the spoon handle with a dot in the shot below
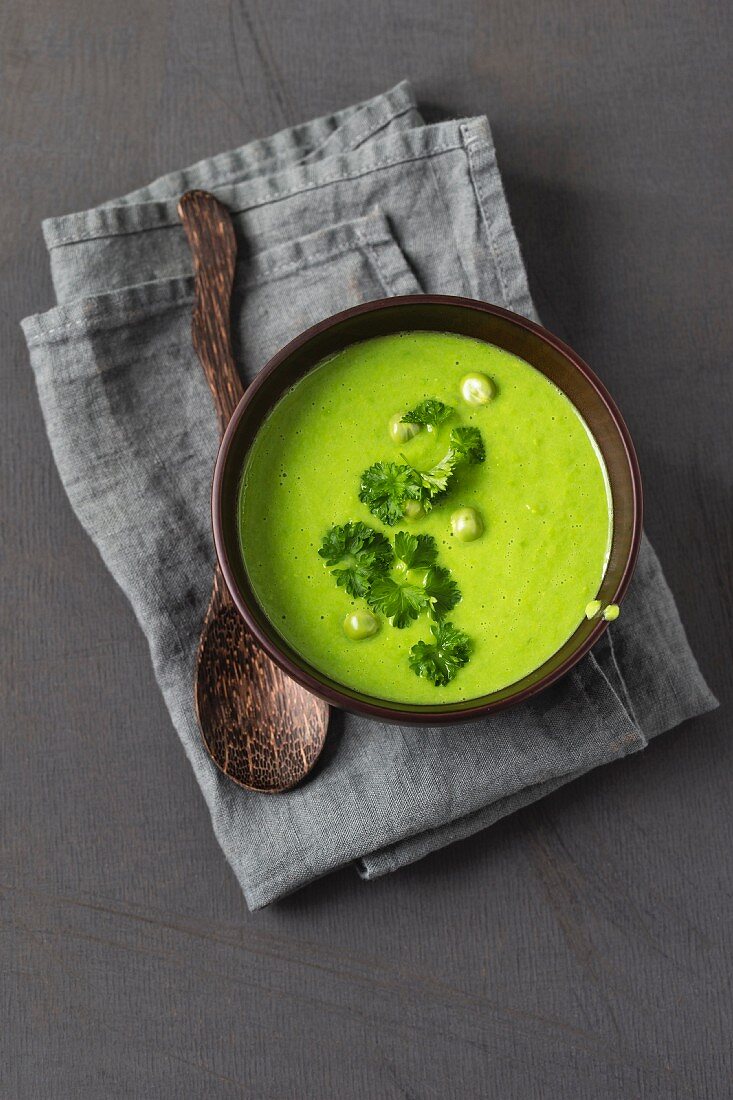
(210, 233)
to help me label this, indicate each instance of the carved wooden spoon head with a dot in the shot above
(260, 728)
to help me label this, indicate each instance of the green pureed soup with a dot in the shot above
(512, 506)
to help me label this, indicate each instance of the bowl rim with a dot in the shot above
(389, 710)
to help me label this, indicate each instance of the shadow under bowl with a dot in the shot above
(465, 317)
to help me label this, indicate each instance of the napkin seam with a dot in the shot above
(305, 139)
(168, 220)
(622, 681)
(451, 223)
(484, 170)
(469, 141)
(364, 235)
(370, 251)
(370, 131)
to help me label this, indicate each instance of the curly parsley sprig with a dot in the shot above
(420, 585)
(386, 487)
(441, 590)
(440, 660)
(430, 412)
(358, 555)
(404, 581)
(467, 445)
(415, 551)
(399, 601)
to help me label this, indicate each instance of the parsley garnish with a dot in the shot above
(435, 481)
(467, 445)
(360, 554)
(385, 488)
(399, 602)
(419, 552)
(439, 661)
(405, 582)
(415, 551)
(431, 412)
(441, 590)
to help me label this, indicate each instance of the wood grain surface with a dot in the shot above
(581, 948)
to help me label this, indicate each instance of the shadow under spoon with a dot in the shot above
(260, 728)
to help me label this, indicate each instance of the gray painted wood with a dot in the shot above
(581, 948)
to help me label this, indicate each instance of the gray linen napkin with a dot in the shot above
(365, 203)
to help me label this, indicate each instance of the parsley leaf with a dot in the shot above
(385, 487)
(416, 551)
(431, 411)
(441, 590)
(435, 481)
(467, 445)
(400, 603)
(360, 554)
(439, 661)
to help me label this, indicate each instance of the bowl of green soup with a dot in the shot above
(427, 508)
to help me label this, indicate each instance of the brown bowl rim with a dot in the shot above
(388, 710)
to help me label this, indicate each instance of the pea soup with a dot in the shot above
(425, 517)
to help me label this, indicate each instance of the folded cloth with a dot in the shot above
(365, 203)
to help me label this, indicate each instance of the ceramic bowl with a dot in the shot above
(466, 317)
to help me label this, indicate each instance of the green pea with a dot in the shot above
(611, 612)
(467, 524)
(360, 624)
(592, 609)
(477, 389)
(400, 432)
(414, 509)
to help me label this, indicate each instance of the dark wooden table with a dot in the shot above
(581, 948)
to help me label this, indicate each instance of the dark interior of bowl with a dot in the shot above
(441, 314)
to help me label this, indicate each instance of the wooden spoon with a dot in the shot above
(260, 728)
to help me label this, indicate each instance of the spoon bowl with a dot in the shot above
(259, 727)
